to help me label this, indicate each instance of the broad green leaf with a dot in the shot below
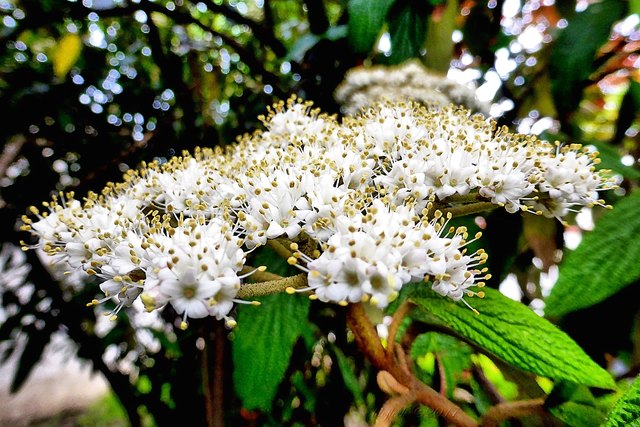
(576, 414)
(366, 19)
(605, 261)
(66, 53)
(626, 412)
(610, 159)
(263, 344)
(573, 54)
(407, 29)
(511, 332)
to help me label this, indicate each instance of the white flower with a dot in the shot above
(364, 86)
(364, 196)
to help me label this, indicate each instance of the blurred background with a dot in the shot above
(92, 88)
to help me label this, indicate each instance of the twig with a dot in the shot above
(369, 343)
(487, 385)
(10, 152)
(468, 209)
(396, 321)
(207, 389)
(317, 16)
(253, 290)
(261, 32)
(218, 375)
(442, 375)
(279, 248)
(391, 408)
(506, 410)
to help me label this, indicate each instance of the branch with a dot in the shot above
(400, 313)
(369, 343)
(487, 385)
(282, 250)
(468, 209)
(391, 408)
(506, 410)
(247, 56)
(317, 16)
(254, 290)
(261, 32)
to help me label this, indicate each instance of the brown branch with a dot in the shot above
(396, 321)
(486, 384)
(441, 374)
(506, 410)
(392, 408)
(369, 343)
(366, 336)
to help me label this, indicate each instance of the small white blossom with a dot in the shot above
(369, 199)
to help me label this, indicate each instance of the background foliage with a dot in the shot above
(89, 89)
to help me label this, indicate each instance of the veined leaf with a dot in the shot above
(576, 414)
(610, 159)
(66, 53)
(263, 344)
(605, 261)
(626, 412)
(407, 29)
(366, 19)
(512, 332)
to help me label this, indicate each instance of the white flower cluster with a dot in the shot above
(365, 86)
(363, 205)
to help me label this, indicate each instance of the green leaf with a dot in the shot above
(626, 412)
(610, 159)
(408, 29)
(366, 19)
(605, 261)
(263, 344)
(511, 332)
(576, 414)
(573, 54)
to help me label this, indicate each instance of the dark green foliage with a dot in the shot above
(408, 27)
(512, 332)
(626, 411)
(603, 263)
(366, 19)
(574, 52)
